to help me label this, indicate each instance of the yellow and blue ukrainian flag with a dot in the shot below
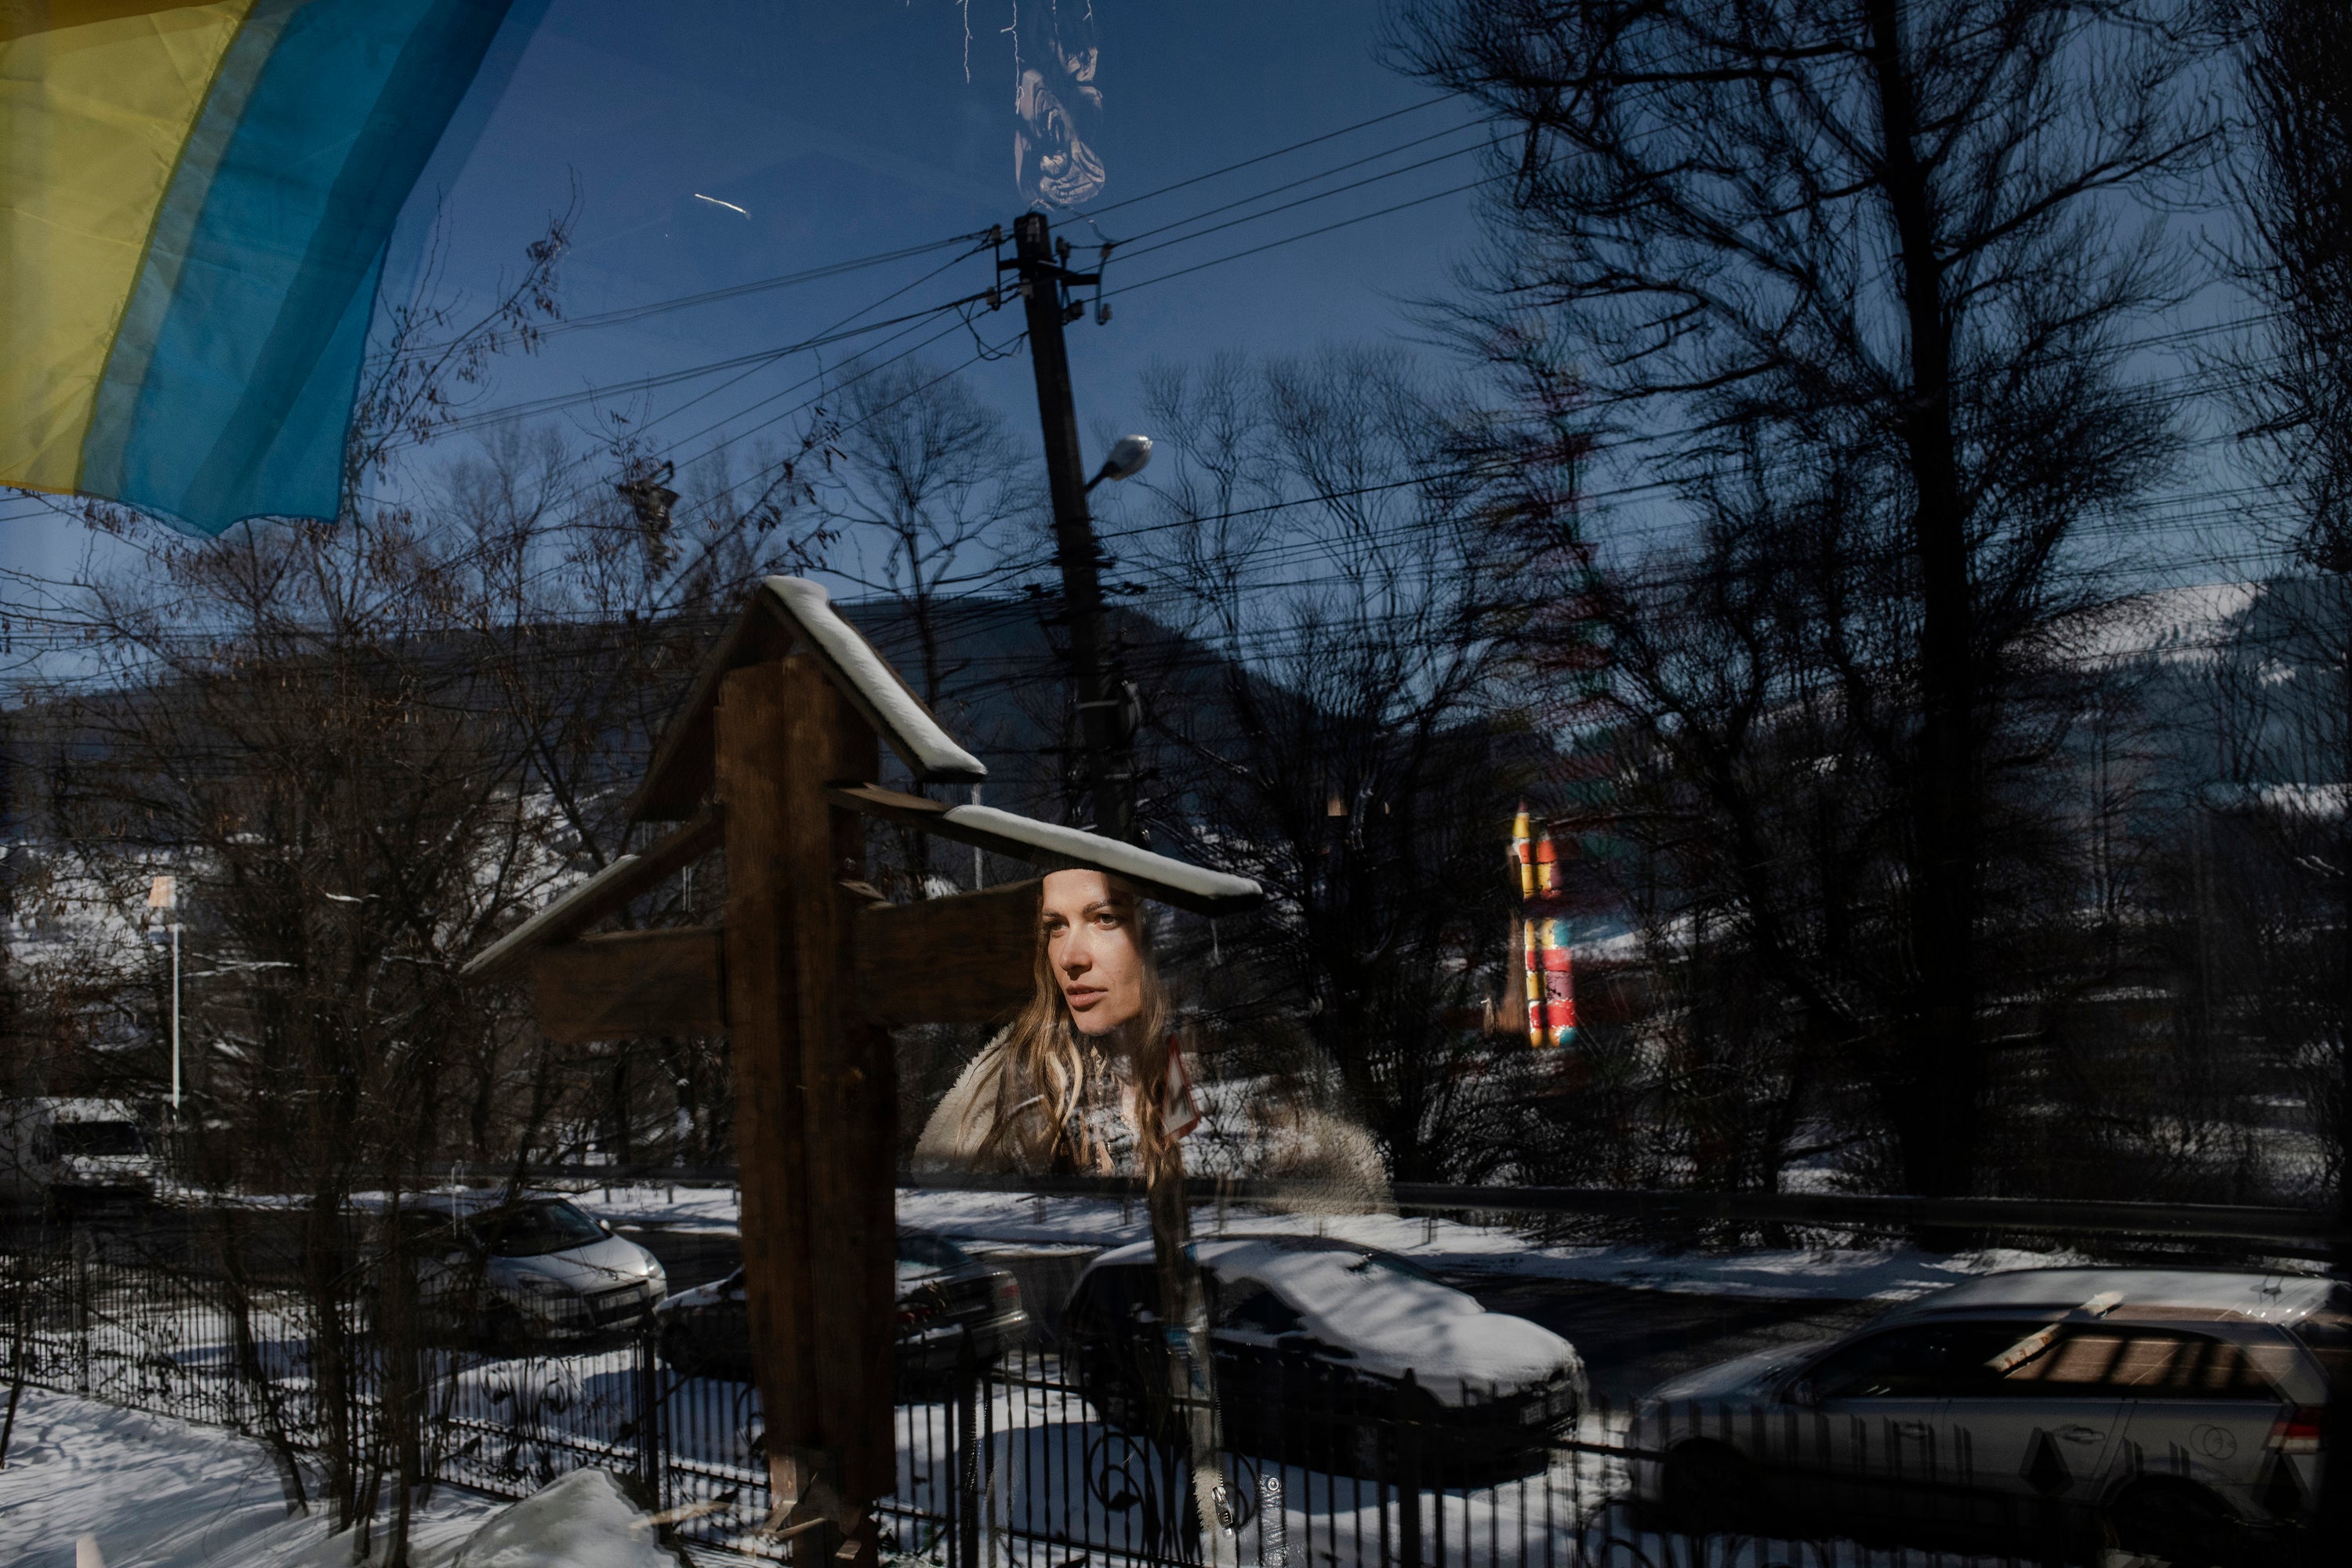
(195, 203)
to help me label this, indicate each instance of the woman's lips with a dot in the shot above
(1081, 997)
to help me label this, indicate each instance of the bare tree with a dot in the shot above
(925, 487)
(1347, 733)
(1888, 248)
(366, 748)
(2296, 201)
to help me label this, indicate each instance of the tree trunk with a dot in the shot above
(1938, 1080)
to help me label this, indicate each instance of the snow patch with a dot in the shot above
(154, 1493)
(2176, 626)
(912, 731)
(583, 1520)
(1072, 844)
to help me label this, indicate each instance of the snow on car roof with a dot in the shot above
(1229, 1253)
(459, 1203)
(1391, 1316)
(2268, 1298)
(72, 1110)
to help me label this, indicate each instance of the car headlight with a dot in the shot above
(540, 1285)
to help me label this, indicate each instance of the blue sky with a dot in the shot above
(714, 143)
(832, 130)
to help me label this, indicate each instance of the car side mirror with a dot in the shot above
(1802, 1391)
(606, 1226)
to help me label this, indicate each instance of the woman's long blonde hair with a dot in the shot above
(1038, 1114)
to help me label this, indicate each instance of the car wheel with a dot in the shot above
(1708, 1488)
(2185, 1525)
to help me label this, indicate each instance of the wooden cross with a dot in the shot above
(775, 757)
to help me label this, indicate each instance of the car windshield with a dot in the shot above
(929, 1251)
(1919, 1361)
(97, 1137)
(533, 1230)
(2327, 1334)
(1388, 1263)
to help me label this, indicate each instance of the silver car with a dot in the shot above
(536, 1268)
(2174, 1412)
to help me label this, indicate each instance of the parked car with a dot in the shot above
(1334, 1355)
(509, 1272)
(73, 1152)
(945, 1297)
(2179, 1410)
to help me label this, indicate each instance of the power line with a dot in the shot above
(628, 314)
(1278, 152)
(1304, 200)
(1294, 239)
(757, 360)
(1322, 174)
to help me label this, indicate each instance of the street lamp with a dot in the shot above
(163, 893)
(1128, 454)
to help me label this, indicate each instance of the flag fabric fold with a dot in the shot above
(195, 201)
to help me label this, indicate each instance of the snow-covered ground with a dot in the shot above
(1889, 1272)
(155, 1493)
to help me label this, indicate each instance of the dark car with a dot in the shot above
(1336, 1356)
(950, 1304)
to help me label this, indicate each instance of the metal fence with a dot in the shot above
(1014, 1462)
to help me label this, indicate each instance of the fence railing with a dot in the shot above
(1043, 1457)
(2303, 1230)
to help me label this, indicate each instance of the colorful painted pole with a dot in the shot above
(1559, 984)
(1537, 1021)
(1522, 861)
(1548, 962)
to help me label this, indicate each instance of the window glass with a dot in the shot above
(1248, 1306)
(2127, 1363)
(1924, 1361)
(1115, 1294)
(94, 1138)
(930, 1251)
(533, 1230)
(2327, 1334)
(1388, 1263)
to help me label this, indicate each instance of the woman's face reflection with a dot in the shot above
(1090, 942)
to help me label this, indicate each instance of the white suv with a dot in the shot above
(2178, 1409)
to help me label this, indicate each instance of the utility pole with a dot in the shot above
(1107, 718)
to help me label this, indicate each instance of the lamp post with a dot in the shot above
(163, 893)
